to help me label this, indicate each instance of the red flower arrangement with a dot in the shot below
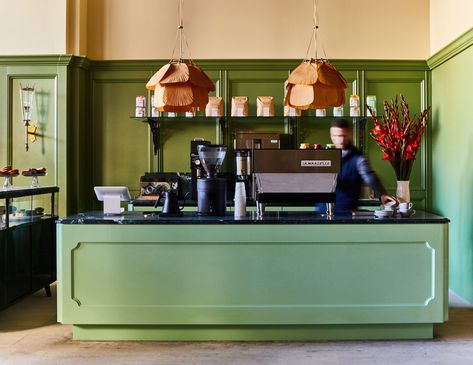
(399, 135)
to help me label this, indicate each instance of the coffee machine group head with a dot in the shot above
(211, 190)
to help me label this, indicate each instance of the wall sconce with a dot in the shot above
(27, 97)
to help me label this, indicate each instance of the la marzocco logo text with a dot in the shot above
(316, 163)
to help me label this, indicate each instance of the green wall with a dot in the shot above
(91, 138)
(121, 145)
(452, 155)
(49, 75)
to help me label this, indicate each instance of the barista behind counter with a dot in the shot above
(354, 171)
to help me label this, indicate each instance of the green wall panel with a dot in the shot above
(176, 137)
(386, 85)
(177, 134)
(120, 145)
(5, 137)
(49, 76)
(254, 83)
(317, 129)
(97, 141)
(79, 137)
(41, 153)
(452, 172)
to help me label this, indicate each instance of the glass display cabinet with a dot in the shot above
(27, 241)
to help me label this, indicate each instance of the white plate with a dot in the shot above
(383, 213)
(408, 213)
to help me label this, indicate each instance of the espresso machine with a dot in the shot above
(295, 177)
(211, 189)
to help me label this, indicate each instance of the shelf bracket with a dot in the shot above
(154, 127)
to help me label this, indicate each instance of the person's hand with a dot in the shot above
(385, 198)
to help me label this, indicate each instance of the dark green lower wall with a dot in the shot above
(102, 144)
(452, 156)
(121, 145)
(79, 137)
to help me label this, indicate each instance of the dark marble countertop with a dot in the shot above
(249, 202)
(269, 218)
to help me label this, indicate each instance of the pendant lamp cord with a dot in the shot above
(180, 27)
(180, 36)
(315, 28)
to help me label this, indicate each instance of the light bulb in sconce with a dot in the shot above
(27, 97)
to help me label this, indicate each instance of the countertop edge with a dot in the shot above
(138, 218)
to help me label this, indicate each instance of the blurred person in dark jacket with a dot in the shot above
(354, 171)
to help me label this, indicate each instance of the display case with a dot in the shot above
(27, 241)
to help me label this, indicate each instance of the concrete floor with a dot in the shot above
(30, 335)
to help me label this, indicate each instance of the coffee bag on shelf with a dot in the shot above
(265, 106)
(214, 107)
(240, 106)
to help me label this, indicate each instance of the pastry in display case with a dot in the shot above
(7, 173)
(34, 173)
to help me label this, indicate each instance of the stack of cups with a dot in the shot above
(240, 200)
(354, 105)
(338, 111)
(140, 111)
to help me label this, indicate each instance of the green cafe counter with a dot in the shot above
(286, 276)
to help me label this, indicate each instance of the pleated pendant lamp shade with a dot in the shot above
(315, 83)
(180, 85)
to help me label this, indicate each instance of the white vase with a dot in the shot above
(402, 191)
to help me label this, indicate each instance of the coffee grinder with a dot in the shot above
(211, 190)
